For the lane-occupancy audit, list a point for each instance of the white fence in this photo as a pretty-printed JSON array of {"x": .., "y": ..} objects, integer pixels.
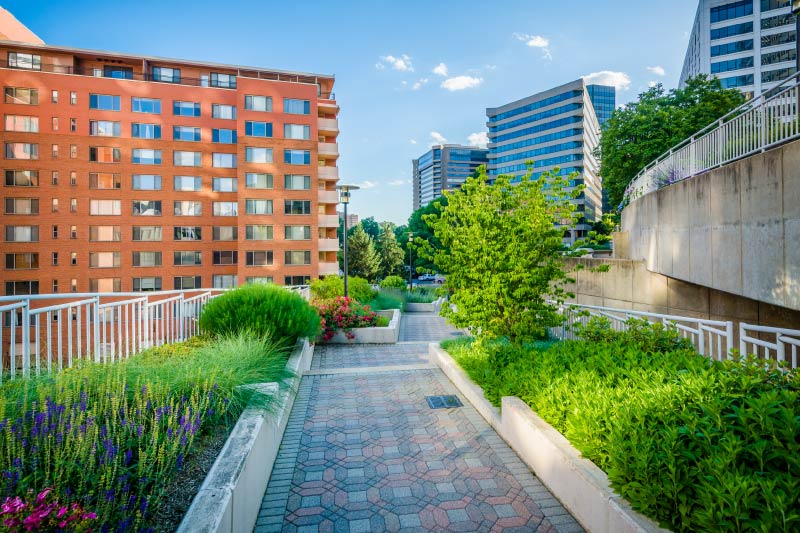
[
  {"x": 714, "y": 339},
  {"x": 765, "y": 121},
  {"x": 49, "y": 332}
]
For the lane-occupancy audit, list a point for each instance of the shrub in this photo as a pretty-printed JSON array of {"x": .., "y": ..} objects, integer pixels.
[
  {"x": 387, "y": 299},
  {"x": 261, "y": 309},
  {"x": 393, "y": 282},
  {"x": 332, "y": 286},
  {"x": 344, "y": 314},
  {"x": 650, "y": 337},
  {"x": 421, "y": 295}
]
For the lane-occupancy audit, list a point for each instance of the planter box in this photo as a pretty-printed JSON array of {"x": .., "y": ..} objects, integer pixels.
[
  {"x": 578, "y": 483},
  {"x": 230, "y": 497},
  {"x": 432, "y": 307},
  {"x": 387, "y": 335}
]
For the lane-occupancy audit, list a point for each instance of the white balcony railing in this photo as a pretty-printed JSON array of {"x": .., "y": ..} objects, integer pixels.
[
  {"x": 330, "y": 125},
  {"x": 768, "y": 120},
  {"x": 329, "y": 245},
  {"x": 328, "y": 197},
  {"x": 328, "y": 173},
  {"x": 328, "y": 149}
]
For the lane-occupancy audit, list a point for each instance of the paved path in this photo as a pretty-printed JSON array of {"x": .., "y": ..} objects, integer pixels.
[{"x": 364, "y": 452}]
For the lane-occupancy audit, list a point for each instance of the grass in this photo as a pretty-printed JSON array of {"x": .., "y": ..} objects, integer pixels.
[
  {"x": 421, "y": 295},
  {"x": 387, "y": 299}
]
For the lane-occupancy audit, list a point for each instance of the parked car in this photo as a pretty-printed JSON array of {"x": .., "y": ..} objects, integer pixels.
[{"x": 426, "y": 277}]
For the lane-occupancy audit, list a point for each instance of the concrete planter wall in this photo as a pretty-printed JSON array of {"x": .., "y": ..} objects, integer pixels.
[
  {"x": 230, "y": 497},
  {"x": 432, "y": 307},
  {"x": 578, "y": 483},
  {"x": 387, "y": 335}
]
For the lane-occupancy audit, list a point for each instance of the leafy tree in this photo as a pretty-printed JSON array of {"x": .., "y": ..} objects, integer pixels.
[
  {"x": 390, "y": 253},
  {"x": 371, "y": 227},
  {"x": 362, "y": 259},
  {"x": 501, "y": 249},
  {"x": 425, "y": 240},
  {"x": 643, "y": 130}
]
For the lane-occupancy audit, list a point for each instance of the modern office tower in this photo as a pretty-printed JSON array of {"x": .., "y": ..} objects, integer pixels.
[
  {"x": 747, "y": 44},
  {"x": 554, "y": 128},
  {"x": 444, "y": 167},
  {"x": 133, "y": 173},
  {"x": 604, "y": 100}
]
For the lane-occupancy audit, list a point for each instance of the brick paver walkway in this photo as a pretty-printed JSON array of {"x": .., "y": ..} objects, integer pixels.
[
  {"x": 426, "y": 327},
  {"x": 364, "y": 452}
]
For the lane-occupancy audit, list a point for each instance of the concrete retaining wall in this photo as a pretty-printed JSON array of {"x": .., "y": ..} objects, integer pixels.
[
  {"x": 230, "y": 497},
  {"x": 578, "y": 484},
  {"x": 387, "y": 335}
]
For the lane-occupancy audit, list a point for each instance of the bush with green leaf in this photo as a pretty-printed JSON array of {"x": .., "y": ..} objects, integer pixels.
[
  {"x": 332, "y": 286},
  {"x": 651, "y": 337},
  {"x": 387, "y": 299},
  {"x": 421, "y": 295},
  {"x": 393, "y": 282},
  {"x": 261, "y": 309}
]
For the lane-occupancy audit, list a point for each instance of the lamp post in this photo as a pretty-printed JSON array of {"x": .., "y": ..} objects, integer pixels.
[
  {"x": 796, "y": 11},
  {"x": 410, "y": 251},
  {"x": 344, "y": 199}
]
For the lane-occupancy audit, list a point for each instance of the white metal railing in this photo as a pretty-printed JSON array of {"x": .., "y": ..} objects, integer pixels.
[
  {"x": 765, "y": 121},
  {"x": 714, "y": 339},
  {"x": 46, "y": 333}
]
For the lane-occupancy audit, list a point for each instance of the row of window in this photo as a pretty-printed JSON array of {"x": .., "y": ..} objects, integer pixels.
[
  {"x": 253, "y": 232},
  {"x": 731, "y": 11},
  {"x": 572, "y": 145},
  {"x": 150, "y": 156},
  {"x": 30, "y": 206},
  {"x": 569, "y": 95},
  {"x": 732, "y": 64},
  {"x": 563, "y": 134},
  {"x": 538, "y": 116},
  {"x": 730, "y": 31}
]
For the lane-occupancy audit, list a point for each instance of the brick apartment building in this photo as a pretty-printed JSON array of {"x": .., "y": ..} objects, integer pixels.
[{"x": 132, "y": 173}]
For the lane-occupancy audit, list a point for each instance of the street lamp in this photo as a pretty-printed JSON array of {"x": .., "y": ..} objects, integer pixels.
[
  {"x": 796, "y": 11},
  {"x": 344, "y": 199},
  {"x": 410, "y": 251}
]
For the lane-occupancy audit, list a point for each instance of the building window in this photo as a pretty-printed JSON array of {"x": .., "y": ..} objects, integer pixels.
[
  {"x": 55, "y": 232},
  {"x": 779, "y": 56},
  {"x": 187, "y": 183},
  {"x": 104, "y": 102},
  {"x": 777, "y": 21},
  {"x": 105, "y": 285},
  {"x": 185, "y": 109},
  {"x": 54, "y": 259},
  {"x": 146, "y": 182},
  {"x": 104, "y": 259},
  {"x": 225, "y": 281},
  {"x": 104, "y": 128},
  {"x": 22, "y": 151},
  {"x": 297, "y": 157},
  {"x": 297, "y": 131},
  {"x": 258, "y": 181},
  {"x": 732, "y": 64},
  {"x": 296, "y": 280},
  {"x": 257, "y": 103},
  {"x": 777, "y": 39},
  {"x": 297, "y": 207},
  {"x": 187, "y": 159},
  {"x": 777, "y": 75},
  {"x": 73, "y": 285},
  {"x": 225, "y": 184},
  {"x": 21, "y": 96},
  {"x": 225, "y": 233},
  {"x": 257, "y": 129},
  {"x": 737, "y": 81},
  {"x": 54, "y": 205},
  {"x": 297, "y": 257},
  {"x": 731, "y": 11},
  {"x": 120, "y": 73},
  {"x": 73, "y": 151},
  {"x": 187, "y": 233},
  {"x": 167, "y": 75},
  {"x": 223, "y": 111},
  {"x": 24, "y": 61},
  {"x": 146, "y": 105},
  {"x": 73, "y": 258},
  {"x": 22, "y": 288},
  {"x": 105, "y": 234},
  {"x": 145, "y": 131},
  {"x": 105, "y": 207},
  {"x": 22, "y": 233},
  {"x": 183, "y": 283},
  {"x": 148, "y": 284},
  {"x": 258, "y": 232},
  {"x": 223, "y": 136},
  {"x": 104, "y": 180},
  {"x": 769, "y": 5},
  {"x": 73, "y": 232},
  {"x": 296, "y": 182},
  {"x": 73, "y": 205},
  {"x": 104, "y": 154},
  {"x": 259, "y": 279},
  {"x": 183, "y": 258},
  {"x": 146, "y": 233},
  {"x": 73, "y": 98},
  {"x": 22, "y": 206},
  {"x": 227, "y": 257},
  {"x": 258, "y": 155},
  {"x": 146, "y": 156},
  {"x": 55, "y": 286},
  {"x": 187, "y": 209},
  {"x": 22, "y": 178},
  {"x": 258, "y": 258},
  {"x": 146, "y": 208},
  {"x": 258, "y": 207},
  {"x": 296, "y": 107},
  {"x": 225, "y": 209},
  {"x": 731, "y": 31},
  {"x": 223, "y": 160},
  {"x": 297, "y": 233},
  {"x": 146, "y": 259},
  {"x": 54, "y": 177},
  {"x": 54, "y": 124},
  {"x": 73, "y": 125},
  {"x": 731, "y": 48},
  {"x": 55, "y": 151},
  {"x": 22, "y": 261},
  {"x": 226, "y": 81},
  {"x": 54, "y": 96},
  {"x": 185, "y": 133},
  {"x": 24, "y": 124}
]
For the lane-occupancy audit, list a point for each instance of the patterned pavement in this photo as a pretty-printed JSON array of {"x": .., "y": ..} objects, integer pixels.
[
  {"x": 426, "y": 327},
  {"x": 364, "y": 452}
]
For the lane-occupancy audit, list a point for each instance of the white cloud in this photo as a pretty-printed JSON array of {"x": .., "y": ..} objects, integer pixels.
[
  {"x": 440, "y": 69},
  {"x": 437, "y": 138},
  {"x": 398, "y": 183},
  {"x": 490, "y": 67},
  {"x": 658, "y": 71},
  {"x": 418, "y": 85},
  {"x": 479, "y": 139},
  {"x": 459, "y": 83},
  {"x": 536, "y": 41},
  {"x": 620, "y": 80},
  {"x": 402, "y": 63},
  {"x": 413, "y": 141},
  {"x": 652, "y": 83},
  {"x": 367, "y": 184}
]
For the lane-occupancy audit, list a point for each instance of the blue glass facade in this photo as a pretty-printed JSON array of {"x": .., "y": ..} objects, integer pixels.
[
  {"x": 604, "y": 100},
  {"x": 444, "y": 168}
]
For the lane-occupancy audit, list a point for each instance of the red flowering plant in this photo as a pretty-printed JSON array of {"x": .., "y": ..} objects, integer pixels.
[
  {"x": 343, "y": 314},
  {"x": 43, "y": 513}
]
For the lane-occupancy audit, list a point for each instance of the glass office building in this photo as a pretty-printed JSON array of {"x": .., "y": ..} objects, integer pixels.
[
  {"x": 604, "y": 100},
  {"x": 442, "y": 168}
]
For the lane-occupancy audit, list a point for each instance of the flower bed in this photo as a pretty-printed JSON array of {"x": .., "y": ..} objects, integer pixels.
[{"x": 341, "y": 314}]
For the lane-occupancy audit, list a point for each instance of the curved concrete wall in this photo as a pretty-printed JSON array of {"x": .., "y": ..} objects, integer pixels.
[{"x": 735, "y": 229}]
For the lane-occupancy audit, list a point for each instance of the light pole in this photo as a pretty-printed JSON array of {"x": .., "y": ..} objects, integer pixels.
[
  {"x": 344, "y": 199},
  {"x": 796, "y": 11},
  {"x": 410, "y": 251}
]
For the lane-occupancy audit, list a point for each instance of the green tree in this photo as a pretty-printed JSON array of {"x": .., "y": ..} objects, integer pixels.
[
  {"x": 371, "y": 227},
  {"x": 425, "y": 240},
  {"x": 639, "y": 132},
  {"x": 501, "y": 249},
  {"x": 362, "y": 258},
  {"x": 390, "y": 253}
]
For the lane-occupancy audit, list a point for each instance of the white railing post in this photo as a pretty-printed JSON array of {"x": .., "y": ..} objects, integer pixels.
[
  {"x": 96, "y": 329},
  {"x": 728, "y": 339},
  {"x": 780, "y": 352},
  {"x": 181, "y": 314},
  {"x": 26, "y": 338},
  {"x": 742, "y": 341}
]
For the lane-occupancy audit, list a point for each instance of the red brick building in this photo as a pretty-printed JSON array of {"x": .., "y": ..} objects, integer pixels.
[{"x": 127, "y": 173}]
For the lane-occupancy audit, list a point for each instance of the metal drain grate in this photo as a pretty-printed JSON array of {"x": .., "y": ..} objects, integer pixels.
[{"x": 443, "y": 402}]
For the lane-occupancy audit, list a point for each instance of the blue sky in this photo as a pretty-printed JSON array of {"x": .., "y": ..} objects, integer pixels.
[{"x": 393, "y": 104}]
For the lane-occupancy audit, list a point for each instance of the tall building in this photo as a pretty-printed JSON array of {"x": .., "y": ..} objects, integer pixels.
[
  {"x": 444, "y": 167},
  {"x": 747, "y": 44},
  {"x": 604, "y": 100},
  {"x": 352, "y": 219},
  {"x": 134, "y": 173},
  {"x": 555, "y": 128}
]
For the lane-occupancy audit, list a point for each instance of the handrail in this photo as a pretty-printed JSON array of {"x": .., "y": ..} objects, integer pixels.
[{"x": 767, "y": 120}]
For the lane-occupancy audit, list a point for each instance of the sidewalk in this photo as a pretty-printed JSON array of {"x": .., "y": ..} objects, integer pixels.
[{"x": 363, "y": 451}]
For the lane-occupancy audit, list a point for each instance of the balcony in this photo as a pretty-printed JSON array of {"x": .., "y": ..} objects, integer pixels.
[
  {"x": 329, "y": 173},
  {"x": 328, "y": 150},
  {"x": 328, "y": 125},
  {"x": 328, "y": 104},
  {"x": 328, "y": 197},
  {"x": 328, "y": 269},
  {"x": 329, "y": 221},
  {"x": 329, "y": 245}
]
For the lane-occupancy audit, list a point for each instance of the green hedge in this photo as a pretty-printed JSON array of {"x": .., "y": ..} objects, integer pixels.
[
  {"x": 694, "y": 444},
  {"x": 261, "y": 309},
  {"x": 332, "y": 286},
  {"x": 393, "y": 282}
]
